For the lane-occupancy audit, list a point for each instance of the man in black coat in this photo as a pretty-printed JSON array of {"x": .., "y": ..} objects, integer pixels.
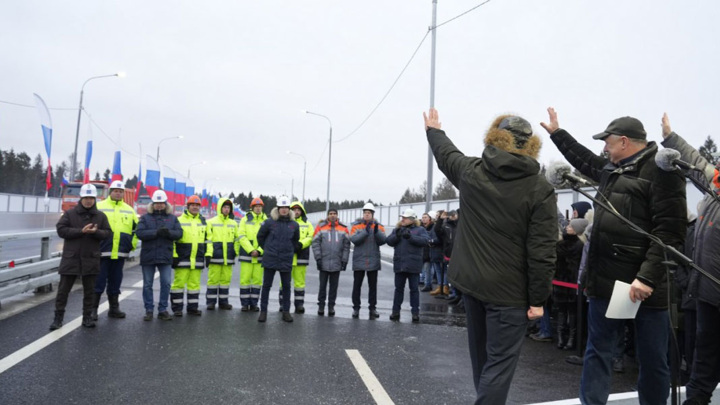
[
  {"x": 503, "y": 256},
  {"x": 654, "y": 200},
  {"x": 82, "y": 228}
]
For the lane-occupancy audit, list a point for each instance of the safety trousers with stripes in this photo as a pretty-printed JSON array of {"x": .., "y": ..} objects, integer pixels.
[
  {"x": 191, "y": 279},
  {"x": 251, "y": 278},
  {"x": 218, "y": 285},
  {"x": 298, "y": 277}
]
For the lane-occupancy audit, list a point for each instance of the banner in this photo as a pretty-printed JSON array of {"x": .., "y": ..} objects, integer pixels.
[
  {"x": 117, "y": 171},
  {"x": 152, "y": 175},
  {"x": 169, "y": 183},
  {"x": 46, "y": 125}
]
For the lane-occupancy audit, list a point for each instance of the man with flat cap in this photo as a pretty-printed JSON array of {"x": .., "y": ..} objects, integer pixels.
[
  {"x": 503, "y": 257},
  {"x": 654, "y": 200}
]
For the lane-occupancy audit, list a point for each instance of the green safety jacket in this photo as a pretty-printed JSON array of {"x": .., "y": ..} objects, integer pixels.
[
  {"x": 222, "y": 233},
  {"x": 123, "y": 221},
  {"x": 302, "y": 257},
  {"x": 249, "y": 227},
  {"x": 190, "y": 249}
]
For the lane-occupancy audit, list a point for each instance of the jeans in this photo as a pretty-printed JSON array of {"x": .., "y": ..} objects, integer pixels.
[
  {"x": 442, "y": 267},
  {"x": 358, "y": 277},
  {"x": 495, "y": 336},
  {"x": 652, "y": 329},
  {"x": 413, "y": 281},
  {"x": 166, "y": 277},
  {"x": 333, "y": 277},
  {"x": 111, "y": 275},
  {"x": 285, "y": 280},
  {"x": 706, "y": 364},
  {"x": 545, "y": 325}
]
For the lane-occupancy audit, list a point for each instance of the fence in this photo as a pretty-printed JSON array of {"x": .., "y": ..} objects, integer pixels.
[
  {"x": 28, "y": 203},
  {"x": 29, "y": 273}
]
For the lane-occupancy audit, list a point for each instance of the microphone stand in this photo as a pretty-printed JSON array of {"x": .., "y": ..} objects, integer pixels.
[
  {"x": 684, "y": 260},
  {"x": 702, "y": 187}
]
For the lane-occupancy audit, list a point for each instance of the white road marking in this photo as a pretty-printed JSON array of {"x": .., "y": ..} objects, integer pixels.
[
  {"x": 34, "y": 347},
  {"x": 613, "y": 397},
  {"x": 371, "y": 382}
]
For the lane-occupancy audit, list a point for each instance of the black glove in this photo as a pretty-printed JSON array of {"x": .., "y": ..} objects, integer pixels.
[
  {"x": 368, "y": 227},
  {"x": 343, "y": 266},
  {"x": 298, "y": 247},
  {"x": 406, "y": 235},
  {"x": 163, "y": 232},
  {"x": 399, "y": 231},
  {"x": 319, "y": 265},
  {"x": 207, "y": 261},
  {"x": 377, "y": 226}
]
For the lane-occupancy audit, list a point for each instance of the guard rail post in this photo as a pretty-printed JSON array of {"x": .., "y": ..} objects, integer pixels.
[{"x": 44, "y": 255}]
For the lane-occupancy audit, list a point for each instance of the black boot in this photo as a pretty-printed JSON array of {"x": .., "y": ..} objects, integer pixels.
[
  {"x": 87, "y": 321},
  {"x": 374, "y": 314},
  {"x": 331, "y": 310},
  {"x": 115, "y": 311},
  {"x": 58, "y": 321},
  {"x": 561, "y": 317},
  {"x": 572, "y": 332},
  {"x": 262, "y": 317},
  {"x": 96, "y": 304}
]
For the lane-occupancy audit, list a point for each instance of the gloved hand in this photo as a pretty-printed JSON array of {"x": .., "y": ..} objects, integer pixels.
[
  {"x": 343, "y": 266},
  {"x": 399, "y": 231},
  {"x": 377, "y": 226},
  {"x": 319, "y": 265},
  {"x": 406, "y": 235},
  {"x": 298, "y": 247},
  {"x": 163, "y": 232},
  {"x": 207, "y": 261},
  {"x": 368, "y": 227}
]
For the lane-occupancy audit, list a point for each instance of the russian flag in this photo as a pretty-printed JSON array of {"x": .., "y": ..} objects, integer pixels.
[
  {"x": 169, "y": 183},
  {"x": 88, "y": 158},
  {"x": 214, "y": 203},
  {"x": 180, "y": 190},
  {"x": 65, "y": 180},
  {"x": 138, "y": 186},
  {"x": 46, "y": 125},
  {"x": 117, "y": 171},
  {"x": 204, "y": 196},
  {"x": 152, "y": 175}
]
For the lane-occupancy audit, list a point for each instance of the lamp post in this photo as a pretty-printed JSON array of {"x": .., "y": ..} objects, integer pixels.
[
  {"x": 327, "y": 198},
  {"x": 77, "y": 129},
  {"x": 195, "y": 164},
  {"x": 292, "y": 183},
  {"x": 304, "y": 168},
  {"x": 157, "y": 157}
]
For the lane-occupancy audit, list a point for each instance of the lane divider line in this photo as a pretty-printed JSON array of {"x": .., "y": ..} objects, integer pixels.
[{"x": 376, "y": 389}]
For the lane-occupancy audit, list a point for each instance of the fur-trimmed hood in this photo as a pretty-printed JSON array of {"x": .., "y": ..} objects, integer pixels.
[
  {"x": 416, "y": 223},
  {"x": 275, "y": 214},
  {"x": 168, "y": 208},
  {"x": 505, "y": 140},
  {"x": 302, "y": 208}
]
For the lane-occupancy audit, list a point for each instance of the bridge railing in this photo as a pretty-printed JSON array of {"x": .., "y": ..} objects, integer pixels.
[{"x": 28, "y": 203}]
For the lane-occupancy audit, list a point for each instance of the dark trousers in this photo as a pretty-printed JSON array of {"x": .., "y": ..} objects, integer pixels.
[
  {"x": 333, "y": 277},
  {"x": 111, "y": 275},
  {"x": 413, "y": 280},
  {"x": 706, "y": 364},
  {"x": 358, "y": 277},
  {"x": 495, "y": 337},
  {"x": 285, "y": 280},
  {"x": 66, "y": 283}
]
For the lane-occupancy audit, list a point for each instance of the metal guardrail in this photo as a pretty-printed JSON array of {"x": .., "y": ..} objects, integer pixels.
[
  {"x": 34, "y": 273},
  {"x": 28, "y": 203}
]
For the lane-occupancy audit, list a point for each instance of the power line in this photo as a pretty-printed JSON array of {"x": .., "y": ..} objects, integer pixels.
[
  {"x": 461, "y": 14},
  {"x": 321, "y": 156},
  {"x": 32, "y": 106},
  {"x": 108, "y": 136}
]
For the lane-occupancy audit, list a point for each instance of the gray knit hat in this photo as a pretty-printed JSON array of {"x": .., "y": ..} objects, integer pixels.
[{"x": 578, "y": 225}]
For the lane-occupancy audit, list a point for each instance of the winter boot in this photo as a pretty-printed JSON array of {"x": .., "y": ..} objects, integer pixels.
[
  {"x": 395, "y": 316},
  {"x": 436, "y": 291},
  {"x": 263, "y": 316},
  {"x": 561, "y": 317},
  {"x": 58, "y": 321},
  {"x": 321, "y": 310},
  {"x": 374, "y": 314},
  {"x": 87, "y": 321},
  {"x": 356, "y": 313},
  {"x": 287, "y": 317},
  {"x": 165, "y": 316},
  {"x": 299, "y": 309},
  {"x": 331, "y": 310},
  {"x": 96, "y": 304},
  {"x": 446, "y": 290},
  {"x": 115, "y": 311}
]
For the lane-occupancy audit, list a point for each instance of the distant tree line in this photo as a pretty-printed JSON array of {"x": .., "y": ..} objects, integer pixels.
[{"x": 444, "y": 191}]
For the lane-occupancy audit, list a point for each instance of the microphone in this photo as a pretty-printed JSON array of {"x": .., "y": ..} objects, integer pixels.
[
  {"x": 669, "y": 160},
  {"x": 559, "y": 174}
]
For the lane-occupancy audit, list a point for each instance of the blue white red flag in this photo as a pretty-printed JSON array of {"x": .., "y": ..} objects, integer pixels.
[
  {"x": 152, "y": 175},
  {"x": 88, "y": 158},
  {"x": 46, "y": 125},
  {"x": 169, "y": 183},
  {"x": 117, "y": 171},
  {"x": 179, "y": 189}
]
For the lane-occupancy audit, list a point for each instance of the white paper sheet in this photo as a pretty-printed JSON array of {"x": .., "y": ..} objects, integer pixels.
[{"x": 621, "y": 307}]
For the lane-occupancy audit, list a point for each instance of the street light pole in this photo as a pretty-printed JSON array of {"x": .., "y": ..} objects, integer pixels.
[
  {"x": 157, "y": 156},
  {"x": 327, "y": 198},
  {"x": 195, "y": 164},
  {"x": 304, "y": 169},
  {"x": 77, "y": 129},
  {"x": 292, "y": 183}
]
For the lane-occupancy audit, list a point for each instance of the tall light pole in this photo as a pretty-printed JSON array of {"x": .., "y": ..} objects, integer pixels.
[
  {"x": 157, "y": 157},
  {"x": 292, "y": 183},
  {"x": 327, "y": 198},
  {"x": 304, "y": 168},
  {"x": 77, "y": 129},
  {"x": 195, "y": 164},
  {"x": 429, "y": 190}
]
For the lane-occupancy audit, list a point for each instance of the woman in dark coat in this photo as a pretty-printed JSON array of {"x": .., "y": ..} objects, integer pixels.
[
  {"x": 82, "y": 228},
  {"x": 569, "y": 253}
]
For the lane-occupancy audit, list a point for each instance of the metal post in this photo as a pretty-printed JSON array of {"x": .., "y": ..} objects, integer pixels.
[
  {"x": 327, "y": 198},
  {"x": 44, "y": 255},
  {"x": 428, "y": 192},
  {"x": 77, "y": 136}
]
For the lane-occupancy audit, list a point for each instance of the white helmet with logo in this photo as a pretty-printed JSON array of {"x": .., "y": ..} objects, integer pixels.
[
  {"x": 117, "y": 184},
  {"x": 88, "y": 190},
  {"x": 369, "y": 207},
  {"x": 409, "y": 213},
  {"x": 159, "y": 196},
  {"x": 283, "y": 201}
]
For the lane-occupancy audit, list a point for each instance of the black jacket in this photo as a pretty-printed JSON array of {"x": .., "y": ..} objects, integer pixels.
[
  {"x": 569, "y": 253},
  {"x": 279, "y": 237},
  {"x": 158, "y": 249},
  {"x": 81, "y": 251},
  {"x": 651, "y": 198},
  {"x": 504, "y": 248},
  {"x": 408, "y": 242},
  {"x": 445, "y": 231}
]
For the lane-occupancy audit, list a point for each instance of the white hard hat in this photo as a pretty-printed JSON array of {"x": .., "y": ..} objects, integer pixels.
[
  {"x": 159, "y": 196},
  {"x": 117, "y": 184},
  {"x": 283, "y": 201},
  {"x": 409, "y": 213},
  {"x": 432, "y": 214},
  {"x": 88, "y": 190},
  {"x": 369, "y": 207}
]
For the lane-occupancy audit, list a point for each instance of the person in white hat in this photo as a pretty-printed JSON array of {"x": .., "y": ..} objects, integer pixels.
[
  {"x": 82, "y": 227},
  {"x": 408, "y": 238},
  {"x": 123, "y": 222},
  {"x": 367, "y": 234}
]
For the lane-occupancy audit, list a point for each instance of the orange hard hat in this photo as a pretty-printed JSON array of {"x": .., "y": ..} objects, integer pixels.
[
  {"x": 193, "y": 199},
  {"x": 257, "y": 201}
]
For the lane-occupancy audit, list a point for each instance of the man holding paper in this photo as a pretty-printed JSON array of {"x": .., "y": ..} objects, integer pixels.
[{"x": 654, "y": 200}]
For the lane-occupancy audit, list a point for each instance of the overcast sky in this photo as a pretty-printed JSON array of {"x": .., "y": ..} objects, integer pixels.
[{"x": 233, "y": 77}]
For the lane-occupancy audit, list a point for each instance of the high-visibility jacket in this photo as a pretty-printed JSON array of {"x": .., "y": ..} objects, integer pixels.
[
  {"x": 123, "y": 221},
  {"x": 223, "y": 237},
  {"x": 249, "y": 227},
  {"x": 190, "y": 249},
  {"x": 307, "y": 231}
]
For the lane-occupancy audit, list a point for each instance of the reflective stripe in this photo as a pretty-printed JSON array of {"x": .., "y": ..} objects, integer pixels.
[
  {"x": 177, "y": 291},
  {"x": 193, "y": 292},
  {"x": 303, "y": 226},
  {"x": 126, "y": 212},
  {"x": 223, "y": 296},
  {"x": 256, "y": 296},
  {"x": 303, "y": 261},
  {"x": 224, "y": 286},
  {"x": 199, "y": 265},
  {"x": 121, "y": 254},
  {"x": 184, "y": 263},
  {"x": 217, "y": 225},
  {"x": 105, "y": 254},
  {"x": 298, "y": 290},
  {"x": 106, "y": 210},
  {"x": 243, "y": 257},
  {"x": 299, "y": 298},
  {"x": 193, "y": 301},
  {"x": 177, "y": 301},
  {"x": 217, "y": 261},
  {"x": 242, "y": 236},
  {"x": 185, "y": 224},
  {"x": 245, "y": 295},
  {"x": 212, "y": 296}
]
